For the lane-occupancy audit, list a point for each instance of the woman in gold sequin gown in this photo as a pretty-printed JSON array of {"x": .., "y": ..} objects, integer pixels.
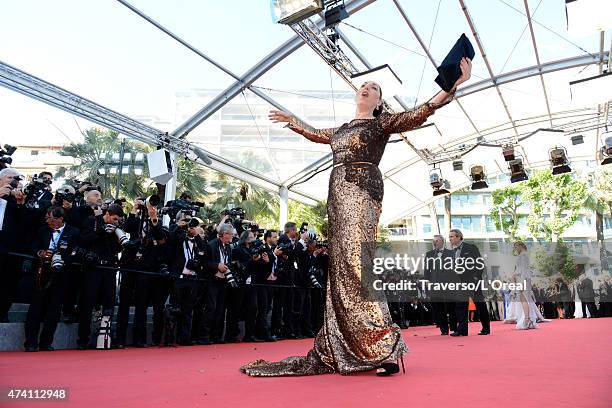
[{"x": 357, "y": 334}]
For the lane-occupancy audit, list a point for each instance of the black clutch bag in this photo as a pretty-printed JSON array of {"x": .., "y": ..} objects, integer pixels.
[{"x": 450, "y": 70}]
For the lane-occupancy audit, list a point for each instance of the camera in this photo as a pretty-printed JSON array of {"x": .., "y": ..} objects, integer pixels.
[
  {"x": 313, "y": 279},
  {"x": 286, "y": 247},
  {"x": 15, "y": 182},
  {"x": 234, "y": 214},
  {"x": 153, "y": 200},
  {"x": 322, "y": 245},
  {"x": 173, "y": 207},
  {"x": 5, "y": 155},
  {"x": 121, "y": 235},
  {"x": 257, "y": 248},
  {"x": 64, "y": 195},
  {"x": 303, "y": 227},
  {"x": 57, "y": 259},
  {"x": 86, "y": 257},
  {"x": 35, "y": 189},
  {"x": 193, "y": 265},
  {"x": 163, "y": 269}
]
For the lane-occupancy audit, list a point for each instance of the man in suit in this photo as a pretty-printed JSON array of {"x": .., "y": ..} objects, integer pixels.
[
  {"x": 12, "y": 236},
  {"x": 586, "y": 293},
  {"x": 211, "y": 328},
  {"x": 98, "y": 237},
  {"x": 190, "y": 255},
  {"x": 437, "y": 262},
  {"x": 470, "y": 267},
  {"x": 53, "y": 245}
]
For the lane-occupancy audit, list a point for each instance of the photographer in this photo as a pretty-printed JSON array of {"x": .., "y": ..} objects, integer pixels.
[
  {"x": 146, "y": 245},
  {"x": 102, "y": 242},
  {"x": 220, "y": 274},
  {"x": 190, "y": 257},
  {"x": 247, "y": 258},
  {"x": 92, "y": 207},
  {"x": 12, "y": 236},
  {"x": 265, "y": 277},
  {"x": 305, "y": 282},
  {"x": 53, "y": 245},
  {"x": 38, "y": 191},
  {"x": 290, "y": 245}
]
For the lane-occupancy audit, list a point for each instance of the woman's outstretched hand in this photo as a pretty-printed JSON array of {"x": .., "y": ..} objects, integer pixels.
[
  {"x": 466, "y": 71},
  {"x": 277, "y": 116}
]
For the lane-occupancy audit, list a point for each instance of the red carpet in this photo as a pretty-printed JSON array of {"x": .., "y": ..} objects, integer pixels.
[{"x": 566, "y": 363}]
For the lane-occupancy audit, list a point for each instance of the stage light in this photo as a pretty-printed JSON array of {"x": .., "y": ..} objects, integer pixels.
[
  {"x": 437, "y": 182},
  {"x": 508, "y": 152},
  {"x": 577, "y": 139},
  {"x": 606, "y": 150},
  {"x": 558, "y": 160},
  {"x": 517, "y": 170},
  {"x": 334, "y": 12},
  {"x": 477, "y": 174},
  {"x": 457, "y": 165},
  {"x": 293, "y": 11}
]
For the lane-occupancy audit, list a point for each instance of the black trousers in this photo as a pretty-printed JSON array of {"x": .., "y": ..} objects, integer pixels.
[
  {"x": 282, "y": 304},
  {"x": 301, "y": 317},
  {"x": 184, "y": 294},
  {"x": 214, "y": 311},
  {"x": 133, "y": 290},
  {"x": 264, "y": 298},
  {"x": 197, "y": 320},
  {"x": 159, "y": 290},
  {"x": 318, "y": 309},
  {"x": 97, "y": 284},
  {"x": 10, "y": 268},
  {"x": 461, "y": 310},
  {"x": 444, "y": 314},
  {"x": 592, "y": 309},
  {"x": 73, "y": 288},
  {"x": 45, "y": 307}
]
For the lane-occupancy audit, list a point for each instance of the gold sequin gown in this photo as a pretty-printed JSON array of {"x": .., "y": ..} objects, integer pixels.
[{"x": 357, "y": 334}]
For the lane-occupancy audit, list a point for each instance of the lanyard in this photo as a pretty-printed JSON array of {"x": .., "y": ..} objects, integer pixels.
[{"x": 190, "y": 251}]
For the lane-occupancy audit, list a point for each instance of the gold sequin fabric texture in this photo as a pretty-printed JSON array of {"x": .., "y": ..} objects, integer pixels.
[{"x": 357, "y": 334}]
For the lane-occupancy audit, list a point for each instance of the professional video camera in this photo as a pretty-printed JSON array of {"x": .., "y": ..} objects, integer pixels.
[
  {"x": 35, "y": 189},
  {"x": 64, "y": 195},
  {"x": 5, "y": 155},
  {"x": 234, "y": 214},
  {"x": 173, "y": 207},
  {"x": 257, "y": 247}
]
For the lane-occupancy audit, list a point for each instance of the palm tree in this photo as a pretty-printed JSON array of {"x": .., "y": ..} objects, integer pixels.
[{"x": 96, "y": 143}]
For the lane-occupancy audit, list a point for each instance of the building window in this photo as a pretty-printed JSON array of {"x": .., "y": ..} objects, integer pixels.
[
  {"x": 34, "y": 153},
  {"x": 494, "y": 271}
]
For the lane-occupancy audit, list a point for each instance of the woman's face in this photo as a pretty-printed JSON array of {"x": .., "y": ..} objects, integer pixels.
[{"x": 368, "y": 95}]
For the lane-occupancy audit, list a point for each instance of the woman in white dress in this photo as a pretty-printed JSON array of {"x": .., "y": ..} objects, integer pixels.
[{"x": 523, "y": 304}]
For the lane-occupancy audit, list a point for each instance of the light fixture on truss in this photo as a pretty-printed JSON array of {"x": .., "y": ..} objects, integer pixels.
[
  {"x": 438, "y": 183},
  {"x": 293, "y": 11},
  {"x": 606, "y": 149},
  {"x": 559, "y": 162},
  {"x": 517, "y": 170},
  {"x": 478, "y": 176},
  {"x": 383, "y": 75}
]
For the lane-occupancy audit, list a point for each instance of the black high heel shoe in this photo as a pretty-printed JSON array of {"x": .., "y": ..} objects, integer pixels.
[{"x": 390, "y": 368}]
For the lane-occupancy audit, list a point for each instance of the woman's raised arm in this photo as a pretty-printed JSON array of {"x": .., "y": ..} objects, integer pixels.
[{"x": 293, "y": 123}]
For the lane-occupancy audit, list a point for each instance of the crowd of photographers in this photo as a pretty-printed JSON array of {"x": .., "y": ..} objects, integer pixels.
[{"x": 80, "y": 255}]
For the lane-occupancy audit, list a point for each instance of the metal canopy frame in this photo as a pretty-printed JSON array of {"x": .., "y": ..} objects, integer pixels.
[{"x": 41, "y": 90}]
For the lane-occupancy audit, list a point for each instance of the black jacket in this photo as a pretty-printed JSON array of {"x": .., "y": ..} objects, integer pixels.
[
  {"x": 69, "y": 236},
  {"x": 94, "y": 238},
  {"x": 470, "y": 269},
  {"x": 201, "y": 253},
  {"x": 215, "y": 256}
]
